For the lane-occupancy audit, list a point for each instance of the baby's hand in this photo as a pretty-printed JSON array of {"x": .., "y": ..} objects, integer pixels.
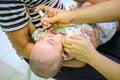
[{"x": 93, "y": 35}]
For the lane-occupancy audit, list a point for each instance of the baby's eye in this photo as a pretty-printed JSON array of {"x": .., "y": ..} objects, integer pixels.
[
  {"x": 62, "y": 33},
  {"x": 51, "y": 41}
]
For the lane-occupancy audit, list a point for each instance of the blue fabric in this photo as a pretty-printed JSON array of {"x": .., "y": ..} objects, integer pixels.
[
  {"x": 85, "y": 73},
  {"x": 111, "y": 57},
  {"x": 111, "y": 50},
  {"x": 112, "y": 47}
]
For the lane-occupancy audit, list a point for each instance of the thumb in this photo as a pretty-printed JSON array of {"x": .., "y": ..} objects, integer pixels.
[{"x": 52, "y": 19}]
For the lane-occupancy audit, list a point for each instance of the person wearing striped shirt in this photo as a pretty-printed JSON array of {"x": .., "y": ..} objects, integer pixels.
[{"x": 18, "y": 20}]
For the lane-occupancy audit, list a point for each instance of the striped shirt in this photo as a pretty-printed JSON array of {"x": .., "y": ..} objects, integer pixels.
[{"x": 13, "y": 14}]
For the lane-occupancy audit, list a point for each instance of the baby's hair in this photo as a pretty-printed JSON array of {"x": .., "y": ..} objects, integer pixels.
[{"x": 45, "y": 69}]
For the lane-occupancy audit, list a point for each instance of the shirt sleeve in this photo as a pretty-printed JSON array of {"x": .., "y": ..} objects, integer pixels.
[{"x": 13, "y": 15}]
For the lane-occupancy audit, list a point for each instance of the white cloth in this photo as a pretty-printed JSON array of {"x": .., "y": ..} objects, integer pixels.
[{"x": 106, "y": 32}]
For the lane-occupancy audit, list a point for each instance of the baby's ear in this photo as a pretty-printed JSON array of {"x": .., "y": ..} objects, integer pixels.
[{"x": 64, "y": 55}]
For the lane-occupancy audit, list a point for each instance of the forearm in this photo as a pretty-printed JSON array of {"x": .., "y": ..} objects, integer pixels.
[
  {"x": 26, "y": 50},
  {"x": 104, "y": 11},
  {"x": 21, "y": 40},
  {"x": 22, "y": 44},
  {"x": 105, "y": 66}
]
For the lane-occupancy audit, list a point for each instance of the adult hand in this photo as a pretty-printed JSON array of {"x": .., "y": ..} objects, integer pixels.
[
  {"x": 56, "y": 17},
  {"x": 79, "y": 48}
]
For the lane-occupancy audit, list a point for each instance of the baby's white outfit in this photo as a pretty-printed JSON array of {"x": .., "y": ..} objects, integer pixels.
[{"x": 106, "y": 31}]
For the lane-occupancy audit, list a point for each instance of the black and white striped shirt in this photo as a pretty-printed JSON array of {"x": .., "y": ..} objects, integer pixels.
[{"x": 13, "y": 14}]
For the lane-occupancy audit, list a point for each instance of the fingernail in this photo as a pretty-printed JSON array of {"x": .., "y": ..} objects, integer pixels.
[
  {"x": 47, "y": 19},
  {"x": 45, "y": 27}
]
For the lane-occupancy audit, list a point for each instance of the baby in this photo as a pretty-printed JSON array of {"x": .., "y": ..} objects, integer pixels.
[{"x": 48, "y": 55}]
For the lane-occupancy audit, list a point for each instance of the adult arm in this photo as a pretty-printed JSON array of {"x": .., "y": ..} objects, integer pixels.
[
  {"x": 94, "y": 38},
  {"x": 14, "y": 20},
  {"x": 20, "y": 40},
  {"x": 107, "y": 67},
  {"x": 83, "y": 50},
  {"x": 101, "y": 12},
  {"x": 98, "y": 13}
]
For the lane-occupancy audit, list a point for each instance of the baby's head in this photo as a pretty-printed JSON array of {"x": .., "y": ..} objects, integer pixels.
[{"x": 46, "y": 56}]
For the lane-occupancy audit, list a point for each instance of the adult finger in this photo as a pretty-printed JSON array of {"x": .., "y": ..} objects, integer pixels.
[
  {"x": 50, "y": 11},
  {"x": 77, "y": 37},
  {"x": 72, "y": 7},
  {"x": 53, "y": 19},
  {"x": 43, "y": 22},
  {"x": 43, "y": 8},
  {"x": 66, "y": 41},
  {"x": 68, "y": 51}
]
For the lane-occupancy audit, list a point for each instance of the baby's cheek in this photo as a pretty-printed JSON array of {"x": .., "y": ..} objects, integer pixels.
[
  {"x": 58, "y": 38},
  {"x": 57, "y": 43}
]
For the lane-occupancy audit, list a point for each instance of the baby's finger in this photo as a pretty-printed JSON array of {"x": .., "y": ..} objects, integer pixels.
[
  {"x": 90, "y": 33},
  {"x": 96, "y": 32}
]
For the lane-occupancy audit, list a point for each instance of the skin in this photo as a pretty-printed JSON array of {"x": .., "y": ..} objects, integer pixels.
[
  {"x": 46, "y": 56},
  {"x": 84, "y": 51},
  {"x": 24, "y": 45},
  {"x": 80, "y": 48},
  {"x": 92, "y": 14},
  {"x": 21, "y": 40}
]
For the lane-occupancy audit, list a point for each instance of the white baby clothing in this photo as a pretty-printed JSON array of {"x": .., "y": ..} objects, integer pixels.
[{"x": 106, "y": 32}]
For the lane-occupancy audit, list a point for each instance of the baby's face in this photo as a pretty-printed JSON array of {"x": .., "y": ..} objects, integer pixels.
[
  {"x": 46, "y": 55},
  {"x": 48, "y": 46}
]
